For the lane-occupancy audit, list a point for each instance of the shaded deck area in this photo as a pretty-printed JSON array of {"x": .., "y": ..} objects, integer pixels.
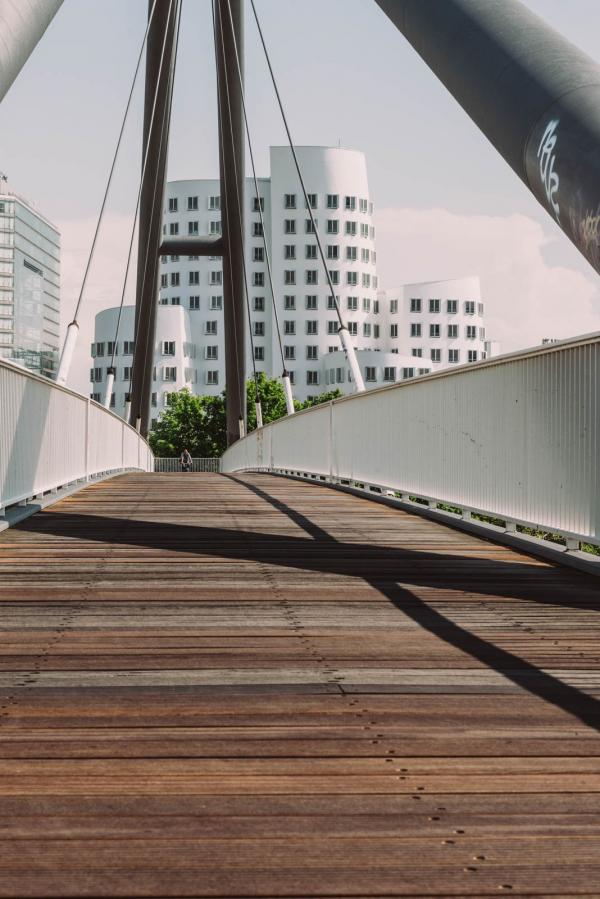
[{"x": 248, "y": 686}]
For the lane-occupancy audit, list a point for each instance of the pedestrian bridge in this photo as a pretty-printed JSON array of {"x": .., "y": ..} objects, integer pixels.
[{"x": 244, "y": 684}]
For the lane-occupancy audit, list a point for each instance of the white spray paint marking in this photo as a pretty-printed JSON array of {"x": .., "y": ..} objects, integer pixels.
[{"x": 547, "y": 158}]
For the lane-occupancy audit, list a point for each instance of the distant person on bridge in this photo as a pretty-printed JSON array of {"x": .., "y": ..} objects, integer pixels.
[{"x": 185, "y": 460}]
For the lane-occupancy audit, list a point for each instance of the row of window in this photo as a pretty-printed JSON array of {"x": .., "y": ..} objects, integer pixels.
[
  {"x": 332, "y": 251},
  {"x": 332, "y": 226},
  {"x": 311, "y": 276},
  {"x": 452, "y": 331},
  {"x": 470, "y": 307},
  {"x": 108, "y": 348},
  {"x": 290, "y": 201}
]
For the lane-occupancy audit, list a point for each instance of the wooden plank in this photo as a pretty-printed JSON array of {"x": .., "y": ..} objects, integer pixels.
[{"x": 255, "y": 687}]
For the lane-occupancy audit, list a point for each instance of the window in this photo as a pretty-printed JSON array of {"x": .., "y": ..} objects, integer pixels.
[
  {"x": 366, "y": 304},
  {"x": 289, "y": 276},
  {"x": 309, "y": 228},
  {"x": 255, "y": 204},
  {"x": 472, "y": 355},
  {"x": 128, "y": 347},
  {"x": 173, "y": 204},
  {"x": 363, "y": 206},
  {"x": 333, "y": 201},
  {"x": 174, "y": 301},
  {"x": 214, "y": 203},
  {"x": 164, "y": 301},
  {"x": 211, "y": 352},
  {"x": 351, "y": 229},
  {"x": 334, "y": 276},
  {"x": 479, "y": 308},
  {"x": 436, "y": 355},
  {"x": 169, "y": 373},
  {"x": 95, "y": 375},
  {"x": 112, "y": 348},
  {"x": 258, "y": 304},
  {"x": 352, "y": 279},
  {"x": 312, "y": 352},
  {"x": 215, "y": 227},
  {"x": 451, "y": 307},
  {"x": 471, "y": 332},
  {"x": 353, "y": 329},
  {"x": 212, "y": 377},
  {"x": 389, "y": 373},
  {"x": 289, "y": 201},
  {"x": 332, "y": 327},
  {"x": 289, "y": 301},
  {"x": 257, "y": 229},
  {"x": 258, "y": 254},
  {"x": 289, "y": 327},
  {"x": 174, "y": 228},
  {"x": 216, "y": 303},
  {"x": 453, "y": 355},
  {"x": 292, "y": 376},
  {"x": 312, "y": 326},
  {"x": 216, "y": 277},
  {"x": 312, "y": 377},
  {"x": 210, "y": 327},
  {"x": 366, "y": 329},
  {"x": 415, "y": 304},
  {"x": 366, "y": 280},
  {"x": 153, "y": 400},
  {"x": 192, "y": 204},
  {"x": 415, "y": 329},
  {"x": 331, "y": 302},
  {"x": 289, "y": 226},
  {"x": 350, "y": 203},
  {"x": 333, "y": 226},
  {"x": 351, "y": 254},
  {"x": 310, "y": 251},
  {"x": 364, "y": 255},
  {"x": 340, "y": 375},
  {"x": 312, "y": 276},
  {"x": 352, "y": 304},
  {"x": 333, "y": 251},
  {"x": 370, "y": 373},
  {"x": 258, "y": 329},
  {"x": 376, "y": 307},
  {"x": 289, "y": 251},
  {"x": 469, "y": 307},
  {"x": 100, "y": 349},
  {"x": 452, "y": 332},
  {"x": 393, "y": 330},
  {"x": 174, "y": 258},
  {"x": 168, "y": 347},
  {"x": 408, "y": 373},
  {"x": 393, "y": 307},
  {"x": 435, "y": 306},
  {"x": 434, "y": 330},
  {"x": 259, "y": 353},
  {"x": 195, "y": 303},
  {"x": 364, "y": 231},
  {"x": 174, "y": 279},
  {"x": 312, "y": 199},
  {"x": 164, "y": 280},
  {"x": 193, "y": 228},
  {"x": 482, "y": 333},
  {"x": 95, "y": 396},
  {"x": 289, "y": 351},
  {"x": 311, "y": 302},
  {"x": 376, "y": 331},
  {"x": 258, "y": 279},
  {"x": 194, "y": 278}
]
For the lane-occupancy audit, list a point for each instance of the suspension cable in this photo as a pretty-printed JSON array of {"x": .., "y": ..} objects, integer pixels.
[
  {"x": 177, "y": 5},
  {"x": 239, "y": 216},
  {"x": 256, "y": 188},
  {"x": 343, "y": 329}
]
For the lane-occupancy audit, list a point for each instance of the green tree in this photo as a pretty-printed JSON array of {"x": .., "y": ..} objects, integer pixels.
[{"x": 198, "y": 423}]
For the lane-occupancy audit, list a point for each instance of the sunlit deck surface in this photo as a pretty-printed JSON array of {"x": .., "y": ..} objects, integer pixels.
[{"x": 250, "y": 686}]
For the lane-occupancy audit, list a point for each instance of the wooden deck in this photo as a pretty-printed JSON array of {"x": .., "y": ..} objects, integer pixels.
[{"x": 249, "y": 686}]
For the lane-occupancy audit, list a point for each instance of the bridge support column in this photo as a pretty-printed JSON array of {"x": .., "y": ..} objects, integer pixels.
[
  {"x": 159, "y": 82},
  {"x": 231, "y": 159}
]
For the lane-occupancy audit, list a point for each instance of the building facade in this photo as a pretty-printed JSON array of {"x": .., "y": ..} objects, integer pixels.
[
  {"x": 29, "y": 285},
  {"x": 189, "y": 347}
]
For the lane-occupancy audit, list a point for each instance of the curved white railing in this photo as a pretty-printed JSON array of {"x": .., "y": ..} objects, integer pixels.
[
  {"x": 515, "y": 438},
  {"x": 51, "y": 437}
]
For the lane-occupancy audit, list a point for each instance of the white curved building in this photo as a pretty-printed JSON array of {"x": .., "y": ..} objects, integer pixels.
[{"x": 382, "y": 325}]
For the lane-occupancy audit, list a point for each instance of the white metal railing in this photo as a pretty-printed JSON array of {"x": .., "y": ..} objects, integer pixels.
[
  {"x": 515, "y": 438},
  {"x": 51, "y": 437},
  {"x": 172, "y": 464}
]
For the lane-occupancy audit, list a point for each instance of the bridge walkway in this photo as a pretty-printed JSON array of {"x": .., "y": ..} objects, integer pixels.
[{"x": 250, "y": 686}]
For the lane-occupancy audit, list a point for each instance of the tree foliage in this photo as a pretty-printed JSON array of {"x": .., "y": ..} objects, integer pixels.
[{"x": 198, "y": 423}]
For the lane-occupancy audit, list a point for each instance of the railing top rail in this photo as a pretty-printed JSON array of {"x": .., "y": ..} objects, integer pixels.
[
  {"x": 21, "y": 370},
  {"x": 504, "y": 359}
]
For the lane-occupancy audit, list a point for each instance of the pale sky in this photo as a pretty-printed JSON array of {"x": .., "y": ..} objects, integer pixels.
[{"x": 448, "y": 205}]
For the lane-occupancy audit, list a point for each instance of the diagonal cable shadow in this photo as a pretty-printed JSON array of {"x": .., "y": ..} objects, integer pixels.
[{"x": 379, "y": 566}]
